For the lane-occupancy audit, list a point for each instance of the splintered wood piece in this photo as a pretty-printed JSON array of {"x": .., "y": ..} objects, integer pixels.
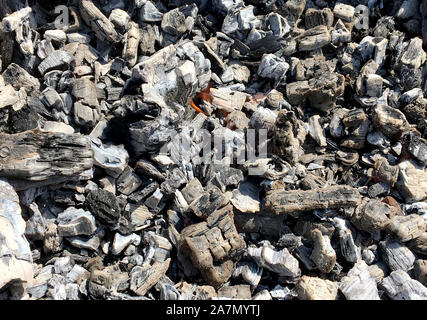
[
  {"x": 93, "y": 17},
  {"x": 38, "y": 156},
  {"x": 280, "y": 201}
]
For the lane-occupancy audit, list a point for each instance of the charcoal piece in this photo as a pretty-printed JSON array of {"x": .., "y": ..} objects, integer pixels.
[
  {"x": 15, "y": 253},
  {"x": 179, "y": 20},
  {"x": 256, "y": 223},
  {"x": 149, "y": 13},
  {"x": 280, "y": 262},
  {"x": 26, "y": 119},
  {"x": 354, "y": 118},
  {"x": 158, "y": 247},
  {"x": 128, "y": 181},
  {"x": 292, "y": 10},
  {"x": 20, "y": 78},
  {"x": 98, "y": 22},
  {"x": 386, "y": 172},
  {"x": 358, "y": 284},
  {"x": 40, "y": 156},
  {"x": 375, "y": 48},
  {"x": 416, "y": 146},
  {"x": 289, "y": 135},
  {"x": 336, "y": 127},
  {"x": 139, "y": 216},
  {"x": 272, "y": 67},
  {"x": 263, "y": 118},
  {"x": 347, "y": 158},
  {"x": 58, "y": 60},
  {"x": 227, "y": 100},
  {"x": 316, "y": 131},
  {"x": 91, "y": 242},
  {"x": 130, "y": 50},
  {"x": 120, "y": 19},
  {"x": 399, "y": 286},
  {"x": 320, "y": 92},
  {"x": 406, "y": 228},
  {"x": 419, "y": 244},
  {"x": 109, "y": 157},
  {"x": 249, "y": 271},
  {"x": 85, "y": 91},
  {"x": 121, "y": 242},
  {"x": 340, "y": 34},
  {"x": 192, "y": 190},
  {"x": 371, "y": 216},
  {"x": 412, "y": 182},
  {"x": 246, "y": 198},
  {"x": 414, "y": 110},
  {"x": 104, "y": 206},
  {"x": 52, "y": 99},
  {"x": 420, "y": 271},
  {"x": 323, "y": 255},
  {"x": 306, "y": 227},
  {"x": 390, "y": 121},
  {"x": 280, "y": 202},
  {"x": 35, "y": 227},
  {"x": 146, "y": 168},
  {"x": 206, "y": 203},
  {"x": 239, "y": 19},
  {"x": 414, "y": 55},
  {"x": 52, "y": 241},
  {"x": 396, "y": 255},
  {"x": 349, "y": 249},
  {"x": 241, "y": 291},
  {"x": 154, "y": 202},
  {"x": 228, "y": 176},
  {"x": 210, "y": 245},
  {"x": 344, "y": 12},
  {"x": 74, "y": 222},
  {"x": 313, "y": 288},
  {"x": 314, "y": 38},
  {"x": 173, "y": 182},
  {"x": 314, "y": 18},
  {"x": 148, "y": 39}
]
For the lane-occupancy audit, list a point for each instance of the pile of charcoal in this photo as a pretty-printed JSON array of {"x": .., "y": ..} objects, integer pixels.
[{"x": 213, "y": 149}]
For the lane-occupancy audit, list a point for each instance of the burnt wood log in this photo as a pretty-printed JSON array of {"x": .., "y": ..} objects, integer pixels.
[
  {"x": 280, "y": 202},
  {"x": 44, "y": 156}
]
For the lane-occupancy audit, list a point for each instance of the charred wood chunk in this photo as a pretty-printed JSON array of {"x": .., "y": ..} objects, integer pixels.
[
  {"x": 104, "y": 206},
  {"x": 314, "y": 17},
  {"x": 371, "y": 216},
  {"x": 98, "y": 22},
  {"x": 20, "y": 78},
  {"x": 405, "y": 228},
  {"x": 390, "y": 121},
  {"x": 400, "y": 286},
  {"x": 280, "y": 202},
  {"x": 320, "y": 92},
  {"x": 396, "y": 255},
  {"x": 212, "y": 244},
  {"x": 289, "y": 135},
  {"x": 313, "y": 288},
  {"x": 314, "y": 38},
  {"x": 419, "y": 245},
  {"x": 58, "y": 60},
  {"x": 39, "y": 156},
  {"x": 144, "y": 278}
]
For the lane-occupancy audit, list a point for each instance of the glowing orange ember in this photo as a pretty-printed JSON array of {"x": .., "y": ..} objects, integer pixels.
[
  {"x": 193, "y": 105},
  {"x": 204, "y": 95}
]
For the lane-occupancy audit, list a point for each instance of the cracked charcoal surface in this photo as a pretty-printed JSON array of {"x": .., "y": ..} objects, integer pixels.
[{"x": 126, "y": 136}]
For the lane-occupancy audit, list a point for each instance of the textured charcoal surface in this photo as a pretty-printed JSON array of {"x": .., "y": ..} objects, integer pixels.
[{"x": 224, "y": 149}]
